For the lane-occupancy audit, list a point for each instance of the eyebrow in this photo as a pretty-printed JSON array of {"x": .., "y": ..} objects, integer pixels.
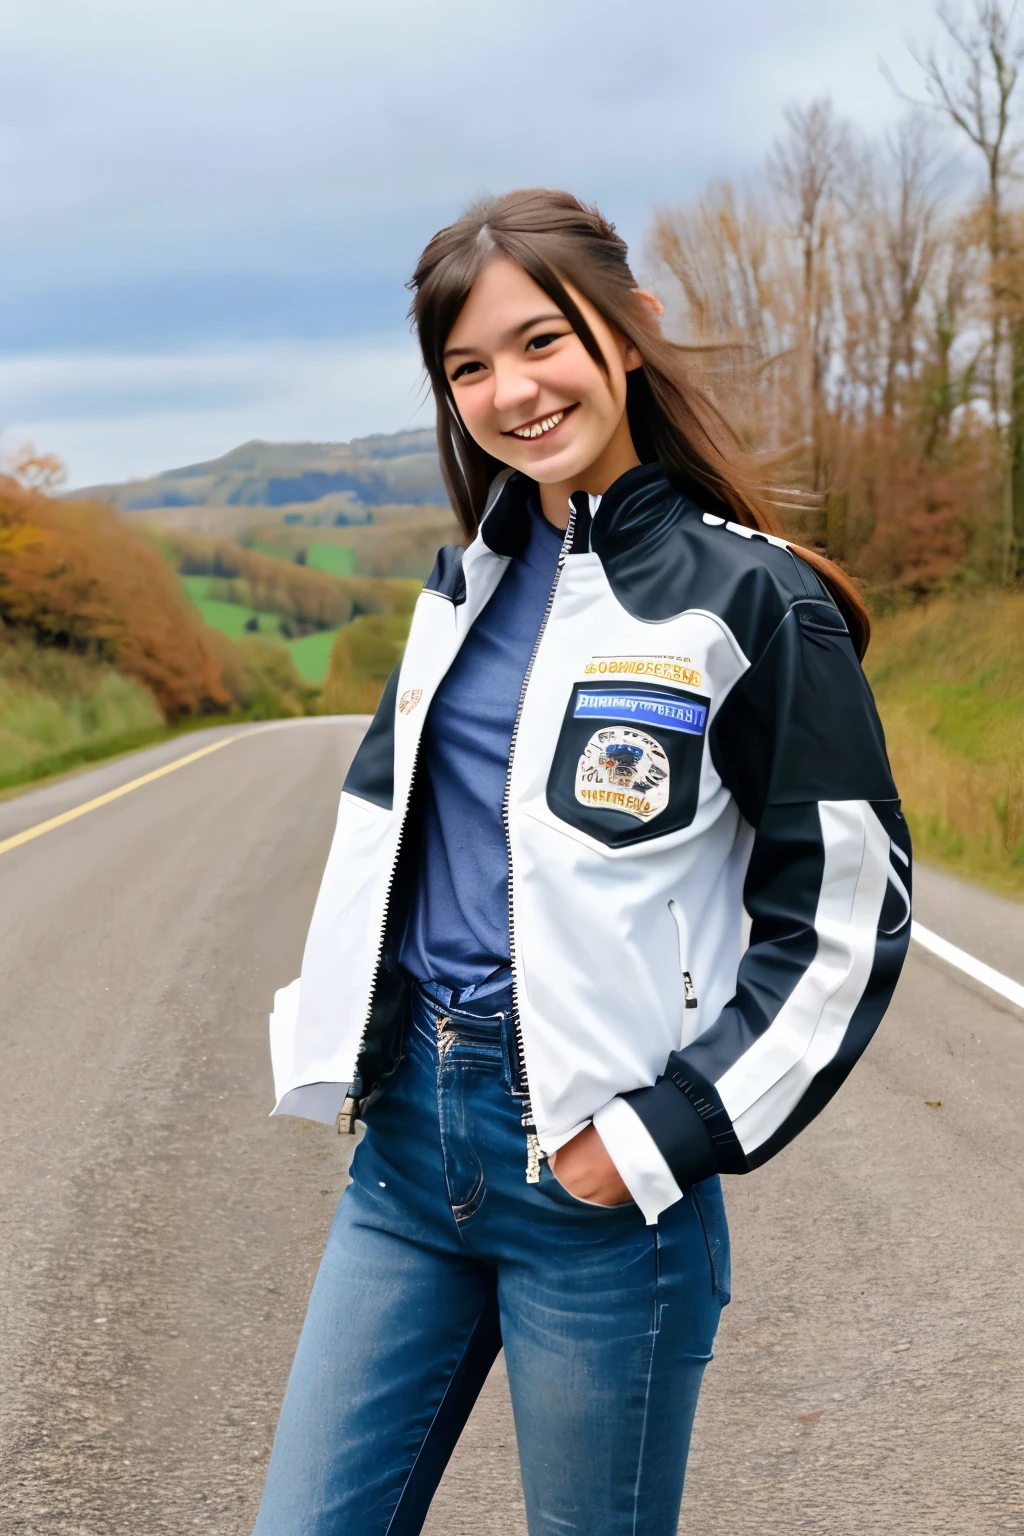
[{"x": 511, "y": 335}]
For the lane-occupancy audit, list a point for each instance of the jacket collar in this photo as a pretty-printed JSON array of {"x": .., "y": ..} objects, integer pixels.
[
  {"x": 503, "y": 526},
  {"x": 639, "y": 503}
]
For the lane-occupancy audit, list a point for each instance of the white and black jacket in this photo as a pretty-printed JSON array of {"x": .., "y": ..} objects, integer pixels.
[{"x": 695, "y": 737}]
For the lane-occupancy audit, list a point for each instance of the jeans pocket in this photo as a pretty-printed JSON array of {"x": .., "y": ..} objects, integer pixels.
[{"x": 709, "y": 1204}]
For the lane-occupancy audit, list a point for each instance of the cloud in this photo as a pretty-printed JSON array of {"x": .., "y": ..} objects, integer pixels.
[
  {"x": 227, "y": 137},
  {"x": 201, "y": 180},
  {"x": 112, "y": 417}
]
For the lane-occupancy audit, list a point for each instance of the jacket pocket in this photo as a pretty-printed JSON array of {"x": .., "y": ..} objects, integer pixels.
[{"x": 627, "y": 762}]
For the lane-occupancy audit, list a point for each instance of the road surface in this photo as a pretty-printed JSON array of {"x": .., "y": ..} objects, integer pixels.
[{"x": 159, "y": 1234}]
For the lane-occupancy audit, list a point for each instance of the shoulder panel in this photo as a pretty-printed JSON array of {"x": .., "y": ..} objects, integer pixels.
[
  {"x": 684, "y": 558},
  {"x": 371, "y": 775},
  {"x": 447, "y": 579}
]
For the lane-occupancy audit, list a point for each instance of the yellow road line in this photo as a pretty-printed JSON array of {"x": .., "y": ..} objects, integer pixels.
[{"x": 112, "y": 794}]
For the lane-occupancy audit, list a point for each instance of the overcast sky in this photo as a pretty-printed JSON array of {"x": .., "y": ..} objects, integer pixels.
[{"x": 209, "y": 208}]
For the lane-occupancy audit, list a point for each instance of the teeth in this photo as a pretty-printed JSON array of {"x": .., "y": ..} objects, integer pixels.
[{"x": 539, "y": 427}]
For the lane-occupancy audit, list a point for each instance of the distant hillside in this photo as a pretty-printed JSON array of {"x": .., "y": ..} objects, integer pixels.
[
  {"x": 301, "y": 607},
  {"x": 400, "y": 468}
]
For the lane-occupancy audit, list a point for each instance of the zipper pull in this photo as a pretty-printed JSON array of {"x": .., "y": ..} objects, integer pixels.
[
  {"x": 533, "y": 1158},
  {"x": 445, "y": 1035},
  {"x": 689, "y": 990},
  {"x": 348, "y": 1114}
]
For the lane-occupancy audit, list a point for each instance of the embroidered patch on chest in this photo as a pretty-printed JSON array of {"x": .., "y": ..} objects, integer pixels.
[
  {"x": 623, "y": 770},
  {"x": 671, "y": 669},
  {"x": 642, "y": 706}
]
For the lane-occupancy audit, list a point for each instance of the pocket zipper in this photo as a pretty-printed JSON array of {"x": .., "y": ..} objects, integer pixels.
[{"x": 689, "y": 990}]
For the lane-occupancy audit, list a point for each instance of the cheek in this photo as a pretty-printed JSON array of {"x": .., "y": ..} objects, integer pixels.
[
  {"x": 475, "y": 408},
  {"x": 590, "y": 386}
]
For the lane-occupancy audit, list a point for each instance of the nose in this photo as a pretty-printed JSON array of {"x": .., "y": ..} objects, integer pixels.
[{"x": 514, "y": 391}]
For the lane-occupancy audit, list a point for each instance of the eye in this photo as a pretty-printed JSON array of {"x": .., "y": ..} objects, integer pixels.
[
  {"x": 465, "y": 368},
  {"x": 544, "y": 340}
]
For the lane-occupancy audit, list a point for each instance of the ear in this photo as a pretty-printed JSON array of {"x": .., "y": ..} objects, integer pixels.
[
  {"x": 655, "y": 309},
  {"x": 649, "y": 299}
]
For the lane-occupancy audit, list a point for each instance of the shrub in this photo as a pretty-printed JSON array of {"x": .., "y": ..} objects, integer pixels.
[
  {"x": 365, "y": 654},
  {"x": 74, "y": 578}
]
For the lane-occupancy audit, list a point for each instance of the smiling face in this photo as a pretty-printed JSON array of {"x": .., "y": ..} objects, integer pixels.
[{"x": 528, "y": 391}]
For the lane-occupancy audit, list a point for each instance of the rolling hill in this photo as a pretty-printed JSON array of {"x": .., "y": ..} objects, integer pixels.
[
  {"x": 400, "y": 468},
  {"x": 378, "y": 504}
]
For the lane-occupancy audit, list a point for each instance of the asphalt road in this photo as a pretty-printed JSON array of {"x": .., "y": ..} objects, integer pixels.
[{"x": 158, "y": 1234}]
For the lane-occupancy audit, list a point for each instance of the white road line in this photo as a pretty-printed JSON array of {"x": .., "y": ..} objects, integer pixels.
[
  {"x": 995, "y": 980},
  {"x": 1013, "y": 991}
]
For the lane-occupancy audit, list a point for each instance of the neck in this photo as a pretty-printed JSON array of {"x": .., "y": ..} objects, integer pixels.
[{"x": 617, "y": 456}]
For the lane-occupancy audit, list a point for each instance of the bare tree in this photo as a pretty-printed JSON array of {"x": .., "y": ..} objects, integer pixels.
[
  {"x": 911, "y": 234},
  {"x": 836, "y": 312},
  {"x": 43, "y": 472},
  {"x": 804, "y": 169},
  {"x": 972, "y": 83},
  {"x": 948, "y": 381},
  {"x": 735, "y": 300}
]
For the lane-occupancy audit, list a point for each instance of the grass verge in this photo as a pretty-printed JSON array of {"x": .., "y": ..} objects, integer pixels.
[
  {"x": 63, "y": 765},
  {"x": 948, "y": 678}
]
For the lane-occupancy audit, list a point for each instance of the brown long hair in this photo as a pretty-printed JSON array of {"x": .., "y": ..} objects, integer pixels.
[{"x": 554, "y": 237}]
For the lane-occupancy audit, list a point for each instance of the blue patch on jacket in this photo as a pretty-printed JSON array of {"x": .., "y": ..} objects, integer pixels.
[{"x": 642, "y": 706}]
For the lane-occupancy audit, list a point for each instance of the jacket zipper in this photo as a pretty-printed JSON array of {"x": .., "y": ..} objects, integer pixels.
[
  {"x": 348, "y": 1114},
  {"x": 522, "y": 1089},
  {"x": 349, "y": 1111}
]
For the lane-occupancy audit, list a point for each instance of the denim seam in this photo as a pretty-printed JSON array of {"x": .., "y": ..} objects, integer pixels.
[
  {"x": 470, "y": 1206},
  {"x": 713, "y": 1249},
  {"x": 426, "y": 1436},
  {"x": 647, "y": 1389}
]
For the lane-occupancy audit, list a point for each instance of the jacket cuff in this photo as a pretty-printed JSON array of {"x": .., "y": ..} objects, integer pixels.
[
  {"x": 641, "y": 1166},
  {"x": 677, "y": 1131}
]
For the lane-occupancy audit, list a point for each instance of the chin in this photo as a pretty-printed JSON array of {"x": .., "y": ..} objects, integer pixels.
[
  {"x": 568, "y": 464},
  {"x": 558, "y": 473}
]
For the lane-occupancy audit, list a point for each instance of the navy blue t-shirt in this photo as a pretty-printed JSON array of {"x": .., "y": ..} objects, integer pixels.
[{"x": 457, "y": 929}]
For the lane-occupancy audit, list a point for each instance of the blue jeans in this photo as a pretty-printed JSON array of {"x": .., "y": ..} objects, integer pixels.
[{"x": 440, "y": 1254}]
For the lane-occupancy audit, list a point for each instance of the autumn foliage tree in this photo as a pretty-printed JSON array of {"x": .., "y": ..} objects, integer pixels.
[
  {"x": 840, "y": 312},
  {"x": 36, "y": 471},
  {"x": 72, "y": 575}
]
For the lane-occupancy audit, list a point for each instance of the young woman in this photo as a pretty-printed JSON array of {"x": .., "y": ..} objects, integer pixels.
[{"x": 627, "y": 711}]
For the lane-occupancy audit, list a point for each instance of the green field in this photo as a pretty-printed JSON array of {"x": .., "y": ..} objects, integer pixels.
[
  {"x": 229, "y": 618},
  {"x": 310, "y": 654},
  {"x": 335, "y": 559}
]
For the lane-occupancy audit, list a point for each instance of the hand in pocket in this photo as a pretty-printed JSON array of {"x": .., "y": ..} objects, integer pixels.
[{"x": 583, "y": 1167}]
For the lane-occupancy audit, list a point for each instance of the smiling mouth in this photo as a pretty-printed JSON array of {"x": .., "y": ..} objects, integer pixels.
[{"x": 542, "y": 425}]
